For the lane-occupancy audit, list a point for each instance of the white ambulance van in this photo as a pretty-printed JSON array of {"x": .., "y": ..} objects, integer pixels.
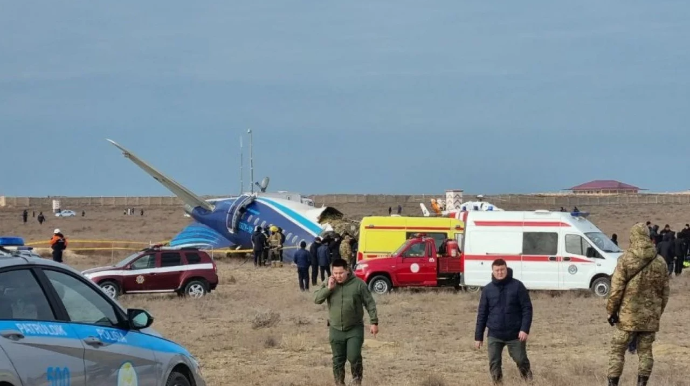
[{"x": 546, "y": 250}]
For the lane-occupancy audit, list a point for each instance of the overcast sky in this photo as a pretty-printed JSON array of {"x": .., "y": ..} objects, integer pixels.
[{"x": 344, "y": 97}]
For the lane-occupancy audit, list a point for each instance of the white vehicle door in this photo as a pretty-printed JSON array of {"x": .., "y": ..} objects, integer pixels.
[
  {"x": 113, "y": 355},
  {"x": 540, "y": 262},
  {"x": 43, "y": 350},
  {"x": 577, "y": 269},
  {"x": 483, "y": 246}
]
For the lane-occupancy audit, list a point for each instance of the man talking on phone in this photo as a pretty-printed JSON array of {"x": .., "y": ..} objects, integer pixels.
[{"x": 347, "y": 295}]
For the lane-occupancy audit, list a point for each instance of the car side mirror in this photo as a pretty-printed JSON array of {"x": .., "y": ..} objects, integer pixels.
[{"x": 139, "y": 319}]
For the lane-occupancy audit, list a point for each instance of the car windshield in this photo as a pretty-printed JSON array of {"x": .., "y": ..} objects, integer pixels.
[
  {"x": 128, "y": 259},
  {"x": 603, "y": 242}
]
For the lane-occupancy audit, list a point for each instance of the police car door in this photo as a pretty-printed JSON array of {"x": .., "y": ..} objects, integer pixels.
[
  {"x": 113, "y": 355},
  {"x": 43, "y": 350}
]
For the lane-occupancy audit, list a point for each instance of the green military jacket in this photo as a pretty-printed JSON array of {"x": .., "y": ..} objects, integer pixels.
[
  {"x": 346, "y": 302},
  {"x": 642, "y": 300}
]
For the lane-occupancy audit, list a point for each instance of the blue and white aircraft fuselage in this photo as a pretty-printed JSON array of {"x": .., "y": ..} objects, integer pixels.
[{"x": 230, "y": 222}]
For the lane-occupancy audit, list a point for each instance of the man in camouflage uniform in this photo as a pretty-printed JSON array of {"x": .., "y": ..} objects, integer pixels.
[
  {"x": 639, "y": 304},
  {"x": 275, "y": 244},
  {"x": 346, "y": 249}
]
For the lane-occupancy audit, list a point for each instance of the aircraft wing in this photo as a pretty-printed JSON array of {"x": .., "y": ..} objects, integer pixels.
[{"x": 189, "y": 198}]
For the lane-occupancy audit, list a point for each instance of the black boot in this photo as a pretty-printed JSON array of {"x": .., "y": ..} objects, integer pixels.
[
  {"x": 526, "y": 374},
  {"x": 613, "y": 381},
  {"x": 642, "y": 380},
  {"x": 357, "y": 372}
]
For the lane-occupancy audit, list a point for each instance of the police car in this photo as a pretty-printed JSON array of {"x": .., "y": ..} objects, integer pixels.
[{"x": 58, "y": 328}]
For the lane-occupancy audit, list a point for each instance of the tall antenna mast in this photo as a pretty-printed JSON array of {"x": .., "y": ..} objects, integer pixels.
[
  {"x": 241, "y": 169},
  {"x": 251, "y": 159}
]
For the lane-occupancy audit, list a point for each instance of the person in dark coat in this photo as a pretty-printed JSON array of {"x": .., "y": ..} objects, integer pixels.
[
  {"x": 323, "y": 254},
  {"x": 681, "y": 246},
  {"x": 303, "y": 261},
  {"x": 314, "y": 259},
  {"x": 614, "y": 238},
  {"x": 667, "y": 249},
  {"x": 258, "y": 243},
  {"x": 506, "y": 309}
]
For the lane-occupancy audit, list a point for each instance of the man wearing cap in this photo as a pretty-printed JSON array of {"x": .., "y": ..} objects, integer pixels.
[{"x": 58, "y": 243}]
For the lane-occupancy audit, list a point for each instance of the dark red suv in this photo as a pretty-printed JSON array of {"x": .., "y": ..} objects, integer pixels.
[{"x": 187, "y": 271}]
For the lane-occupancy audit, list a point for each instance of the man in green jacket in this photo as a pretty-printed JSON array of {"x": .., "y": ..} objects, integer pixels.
[{"x": 346, "y": 295}]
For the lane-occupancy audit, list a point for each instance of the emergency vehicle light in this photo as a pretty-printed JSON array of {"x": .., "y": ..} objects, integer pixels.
[
  {"x": 579, "y": 214},
  {"x": 11, "y": 241}
]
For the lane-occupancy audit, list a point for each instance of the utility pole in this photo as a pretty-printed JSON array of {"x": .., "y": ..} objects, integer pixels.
[
  {"x": 241, "y": 169},
  {"x": 251, "y": 159}
]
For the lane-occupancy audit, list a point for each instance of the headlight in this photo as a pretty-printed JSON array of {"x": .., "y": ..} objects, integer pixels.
[{"x": 360, "y": 267}]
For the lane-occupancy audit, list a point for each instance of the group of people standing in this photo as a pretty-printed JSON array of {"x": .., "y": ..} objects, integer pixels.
[
  {"x": 267, "y": 245},
  {"x": 674, "y": 248},
  {"x": 321, "y": 255}
]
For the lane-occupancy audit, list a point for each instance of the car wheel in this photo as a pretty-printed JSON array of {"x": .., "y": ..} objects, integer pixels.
[
  {"x": 380, "y": 285},
  {"x": 472, "y": 288},
  {"x": 601, "y": 287},
  {"x": 177, "y": 379},
  {"x": 195, "y": 289},
  {"x": 110, "y": 288}
]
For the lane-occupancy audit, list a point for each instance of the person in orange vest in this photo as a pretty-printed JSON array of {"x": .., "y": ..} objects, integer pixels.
[{"x": 58, "y": 244}]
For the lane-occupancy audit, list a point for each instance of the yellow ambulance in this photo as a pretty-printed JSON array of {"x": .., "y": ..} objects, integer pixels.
[{"x": 379, "y": 236}]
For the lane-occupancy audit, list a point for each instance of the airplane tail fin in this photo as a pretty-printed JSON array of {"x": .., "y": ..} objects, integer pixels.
[
  {"x": 190, "y": 199},
  {"x": 425, "y": 211}
]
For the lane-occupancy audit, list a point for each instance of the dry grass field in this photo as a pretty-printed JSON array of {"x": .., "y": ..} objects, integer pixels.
[{"x": 259, "y": 329}]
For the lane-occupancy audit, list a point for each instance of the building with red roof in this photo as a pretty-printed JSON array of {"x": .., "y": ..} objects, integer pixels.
[{"x": 605, "y": 187}]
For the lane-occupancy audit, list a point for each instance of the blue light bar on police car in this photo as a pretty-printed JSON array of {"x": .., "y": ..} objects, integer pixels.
[{"x": 11, "y": 241}]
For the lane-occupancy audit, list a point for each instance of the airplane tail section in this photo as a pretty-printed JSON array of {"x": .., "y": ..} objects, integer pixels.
[
  {"x": 425, "y": 211},
  {"x": 201, "y": 236},
  {"x": 190, "y": 199}
]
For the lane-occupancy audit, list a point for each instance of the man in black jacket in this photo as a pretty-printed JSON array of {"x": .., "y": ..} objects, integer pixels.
[{"x": 506, "y": 309}]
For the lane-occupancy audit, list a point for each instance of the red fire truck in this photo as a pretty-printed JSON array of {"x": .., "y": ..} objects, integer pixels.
[{"x": 416, "y": 263}]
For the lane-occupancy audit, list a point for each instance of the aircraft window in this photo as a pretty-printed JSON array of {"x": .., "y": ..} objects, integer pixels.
[
  {"x": 257, "y": 221},
  {"x": 294, "y": 240},
  {"x": 288, "y": 236},
  {"x": 263, "y": 224},
  {"x": 249, "y": 219}
]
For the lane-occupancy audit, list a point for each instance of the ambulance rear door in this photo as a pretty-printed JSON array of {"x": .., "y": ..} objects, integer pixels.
[{"x": 486, "y": 240}]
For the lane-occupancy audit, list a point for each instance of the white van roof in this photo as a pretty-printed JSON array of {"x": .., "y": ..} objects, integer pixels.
[{"x": 536, "y": 218}]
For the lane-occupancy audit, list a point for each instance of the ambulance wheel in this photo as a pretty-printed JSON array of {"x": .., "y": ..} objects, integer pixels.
[
  {"x": 472, "y": 288},
  {"x": 177, "y": 379},
  {"x": 110, "y": 288},
  {"x": 601, "y": 287},
  {"x": 380, "y": 285}
]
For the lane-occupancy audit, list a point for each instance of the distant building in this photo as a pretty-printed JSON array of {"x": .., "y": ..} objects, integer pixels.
[{"x": 605, "y": 187}]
